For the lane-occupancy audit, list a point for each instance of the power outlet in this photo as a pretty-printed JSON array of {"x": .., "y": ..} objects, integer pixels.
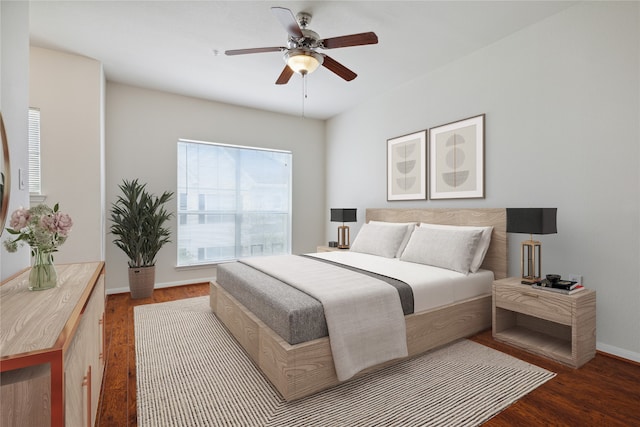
[{"x": 575, "y": 278}]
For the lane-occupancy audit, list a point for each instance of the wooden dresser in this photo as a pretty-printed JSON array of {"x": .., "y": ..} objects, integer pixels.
[{"x": 52, "y": 348}]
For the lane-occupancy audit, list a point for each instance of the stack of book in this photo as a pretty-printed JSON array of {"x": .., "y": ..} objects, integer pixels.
[{"x": 560, "y": 286}]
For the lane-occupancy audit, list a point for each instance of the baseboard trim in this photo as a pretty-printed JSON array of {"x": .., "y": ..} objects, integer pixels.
[
  {"x": 125, "y": 290},
  {"x": 618, "y": 353}
]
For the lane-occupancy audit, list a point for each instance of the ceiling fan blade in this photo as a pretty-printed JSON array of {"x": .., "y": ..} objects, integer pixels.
[
  {"x": 288, "y": 21},
  {"x": 350, "y": 40},
  {"x": 338, "y": 68},
  {"x": 253, "y": 50},
  {"x": 285, "y": 76}
]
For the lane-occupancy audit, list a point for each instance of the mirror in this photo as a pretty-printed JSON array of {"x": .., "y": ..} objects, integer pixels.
[{"x": 5, "y": 175}]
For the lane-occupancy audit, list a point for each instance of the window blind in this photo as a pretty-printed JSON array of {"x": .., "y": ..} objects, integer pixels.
[
  {"x": 233, "y": 202},
  {"x": 35, "y": 184}
]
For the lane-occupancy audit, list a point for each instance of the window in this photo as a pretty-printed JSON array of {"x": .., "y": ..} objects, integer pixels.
[
  {"x": 34, "y": 151},
  {"x": 233, "y": 202}
]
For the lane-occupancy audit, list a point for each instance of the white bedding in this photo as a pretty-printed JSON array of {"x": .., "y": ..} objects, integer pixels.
[
  {"x": 432, "y": 286},
  {"x": 364, "y": 315}
]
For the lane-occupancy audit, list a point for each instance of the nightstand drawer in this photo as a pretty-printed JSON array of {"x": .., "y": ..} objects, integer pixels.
[
  {"x": 328, "y": 249},
  {"x": 541, "y": 304}
]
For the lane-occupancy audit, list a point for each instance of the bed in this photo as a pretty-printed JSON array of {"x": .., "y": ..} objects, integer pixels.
[{"x": 307, "y": 366}]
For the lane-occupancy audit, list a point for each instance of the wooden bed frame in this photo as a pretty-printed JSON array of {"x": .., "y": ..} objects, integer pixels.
[{"x": 303, "y": 369}]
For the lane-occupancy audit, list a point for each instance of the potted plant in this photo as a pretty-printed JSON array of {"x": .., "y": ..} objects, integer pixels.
[{"x": 138, "y": 219}]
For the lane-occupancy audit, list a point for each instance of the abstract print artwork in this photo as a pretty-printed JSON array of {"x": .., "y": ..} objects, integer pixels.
[
  {"x": 457, "y": 159},
  {"x": 406, "y": 167}
]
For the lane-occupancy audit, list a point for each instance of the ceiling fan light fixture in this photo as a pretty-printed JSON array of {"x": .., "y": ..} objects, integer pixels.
[{"x": 303, "y": 61}]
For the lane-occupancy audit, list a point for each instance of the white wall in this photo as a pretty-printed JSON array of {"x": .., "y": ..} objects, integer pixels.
[
  {"x": 14, "y": 104},
  {"x": 68, "y": 90},
  {"x": 142, "y": 130},
  {"x": 562, "y": 101}
]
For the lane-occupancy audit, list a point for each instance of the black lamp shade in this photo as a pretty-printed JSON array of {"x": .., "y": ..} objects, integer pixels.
[
  {"x": 343, "y": 215},
  {"x": 532, "y": 220}
]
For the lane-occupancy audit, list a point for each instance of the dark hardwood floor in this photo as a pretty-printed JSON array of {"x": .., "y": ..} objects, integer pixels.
[
  {"x": 117, "y": 405},
  {"x": 604, "y": 392}
]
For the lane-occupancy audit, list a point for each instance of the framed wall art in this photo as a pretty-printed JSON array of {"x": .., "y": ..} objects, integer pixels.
[
  {"x": 456, "y": 165},
  {"x": 407, "y": 167}
]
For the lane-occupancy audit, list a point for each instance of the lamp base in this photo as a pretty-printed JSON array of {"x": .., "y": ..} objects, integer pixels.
[
  {"x": 343, "y": 237},
  {"x": 530, "y": 261}
]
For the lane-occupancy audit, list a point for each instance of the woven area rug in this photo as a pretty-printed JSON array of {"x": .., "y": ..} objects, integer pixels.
[{"x": 191, "y": 372}]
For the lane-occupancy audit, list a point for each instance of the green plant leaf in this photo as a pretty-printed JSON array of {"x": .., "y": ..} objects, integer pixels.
[{"x": 138, "y": 219}]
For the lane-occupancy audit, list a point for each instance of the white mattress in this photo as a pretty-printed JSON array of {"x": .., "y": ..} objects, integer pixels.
[{"x": 432, "y": 286}]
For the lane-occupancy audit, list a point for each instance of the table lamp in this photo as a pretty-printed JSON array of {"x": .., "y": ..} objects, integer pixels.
[
  {"x": 531, "y": 221},
  {"x": 343, "y": 215}
]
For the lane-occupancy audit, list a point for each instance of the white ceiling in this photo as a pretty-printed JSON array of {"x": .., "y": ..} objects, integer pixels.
[{"x": 171, "y": 45}]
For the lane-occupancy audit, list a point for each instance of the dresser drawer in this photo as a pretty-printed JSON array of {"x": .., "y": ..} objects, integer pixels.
[{"x": 538, "y": 303}]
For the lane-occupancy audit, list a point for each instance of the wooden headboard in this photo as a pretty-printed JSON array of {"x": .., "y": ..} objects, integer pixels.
[{"x": 496, "y": 258}]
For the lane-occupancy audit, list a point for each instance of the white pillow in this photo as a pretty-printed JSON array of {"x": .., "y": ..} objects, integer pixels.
[
  {"x": 483, "y": 245},
  {"x": 446, "y": 248},
  {"x": 379, "y": 239},
  {"x": 410, "y": 226}
]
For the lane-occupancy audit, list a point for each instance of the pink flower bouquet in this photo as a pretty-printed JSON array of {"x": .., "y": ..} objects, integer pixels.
[{"x": 42, "y": 228}]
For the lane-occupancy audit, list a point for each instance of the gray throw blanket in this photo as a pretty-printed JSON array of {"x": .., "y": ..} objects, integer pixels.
[{"x": 364, "y": 316}]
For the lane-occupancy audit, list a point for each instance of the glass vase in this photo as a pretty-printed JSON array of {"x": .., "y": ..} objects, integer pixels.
[{"x": 43, "y": 273}]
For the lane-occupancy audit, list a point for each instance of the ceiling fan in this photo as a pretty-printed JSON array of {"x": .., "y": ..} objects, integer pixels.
[{"x": 301, "y": 54}]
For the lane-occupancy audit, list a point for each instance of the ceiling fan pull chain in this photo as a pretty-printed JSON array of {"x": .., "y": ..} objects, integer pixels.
[{"x": 304, "y": 92}]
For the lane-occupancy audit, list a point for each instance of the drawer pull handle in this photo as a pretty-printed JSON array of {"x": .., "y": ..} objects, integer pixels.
[
  {"x": 86, "y": 381},
  {"x": 529, "y": 294}
]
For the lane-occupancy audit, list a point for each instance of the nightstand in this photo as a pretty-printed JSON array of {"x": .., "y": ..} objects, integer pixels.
[
  {"x": 558, "y": 326},
  {"x": 328, "y": 249}
]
